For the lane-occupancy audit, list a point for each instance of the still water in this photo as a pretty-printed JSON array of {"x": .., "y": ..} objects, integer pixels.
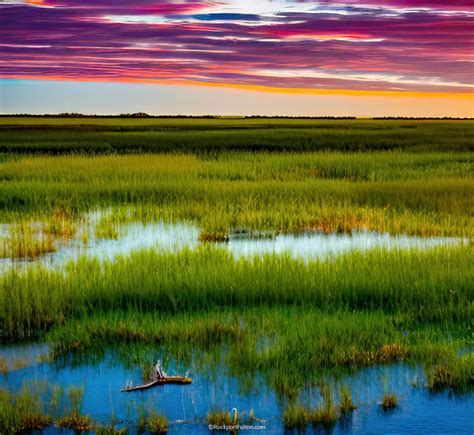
[
  {"x": 172, "y": 237},
  {"x": 186, "y": 406}
]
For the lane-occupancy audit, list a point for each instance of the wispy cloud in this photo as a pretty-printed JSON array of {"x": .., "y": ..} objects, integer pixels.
[{"x": 389, "y": 45}]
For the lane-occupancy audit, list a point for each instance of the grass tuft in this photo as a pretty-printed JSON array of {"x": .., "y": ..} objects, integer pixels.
[
  {"x": 389, "y": 402},
  {"x": 457, "y": 374},
  {"x": 297, "y": 416},
  {"x": 158, "y": 424},
  {"x": 346, "y": 404}
]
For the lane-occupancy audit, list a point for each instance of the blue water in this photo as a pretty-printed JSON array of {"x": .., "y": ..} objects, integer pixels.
[{"x": 186, "y": 406}]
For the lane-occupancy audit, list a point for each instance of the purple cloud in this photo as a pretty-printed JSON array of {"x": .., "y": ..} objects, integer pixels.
[{"x": 396, "y": 45}]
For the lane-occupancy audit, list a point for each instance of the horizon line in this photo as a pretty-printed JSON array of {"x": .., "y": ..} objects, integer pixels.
[{"x": 142, "y": 115}]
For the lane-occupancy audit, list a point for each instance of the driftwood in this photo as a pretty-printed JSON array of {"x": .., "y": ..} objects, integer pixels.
[{"x": 159, "y": 377}]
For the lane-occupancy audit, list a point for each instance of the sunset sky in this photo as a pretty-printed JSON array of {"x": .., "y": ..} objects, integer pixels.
[{"x": 339, "y": 57}]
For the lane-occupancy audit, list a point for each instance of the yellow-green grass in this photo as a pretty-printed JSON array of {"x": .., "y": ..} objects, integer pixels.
[
  {"x": 397, "y": 192},
  {"x": 158, "y": 424},
  {"x": 389, "y": 402},
  {"x": 325, "y": 414},
  {"x": 456, "y": 374}
]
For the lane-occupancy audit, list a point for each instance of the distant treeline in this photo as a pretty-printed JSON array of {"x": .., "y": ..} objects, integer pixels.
[{"x": 146, "y": 115}]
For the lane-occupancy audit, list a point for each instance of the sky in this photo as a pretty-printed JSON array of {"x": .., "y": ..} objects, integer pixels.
[{"x": 233, "y": 57}]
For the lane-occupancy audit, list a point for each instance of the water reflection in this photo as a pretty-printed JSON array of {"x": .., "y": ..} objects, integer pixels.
[
  {"x": 172, "y": 237},
  {"x": 187, "y": 406}
]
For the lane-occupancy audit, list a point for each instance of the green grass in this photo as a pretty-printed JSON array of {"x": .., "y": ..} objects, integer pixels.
[
  {"x": 325, "y": 414},
  {"x": 57, "y": 136},
  {"x": 219, "y": 418},
  {"x": 297, "y": 416},
  {"x": 426, "y": 194},
  {"x": 427, "y": 286},
  {"x": 455, "y": 374},
  {"x": 289, "y": 322},
  {"x": 37, "y": 406},
  {"x": 346, "y": 405}
]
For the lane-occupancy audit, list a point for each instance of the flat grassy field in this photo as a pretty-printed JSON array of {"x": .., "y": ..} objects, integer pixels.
[
  {"x": 195, "y": 135},
  {"x": 291, "y": 321}
]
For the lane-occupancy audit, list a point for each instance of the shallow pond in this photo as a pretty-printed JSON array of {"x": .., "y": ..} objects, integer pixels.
[
  {"x": 186, "y": 406},
  {"x": 163, "y": 236}
]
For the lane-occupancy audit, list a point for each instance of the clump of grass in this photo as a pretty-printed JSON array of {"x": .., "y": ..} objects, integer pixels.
[
  {"x": 393, "y": 352},
  {"x": 219, "y": 418},
  {"x": 389, "y": 402},
  {"x": 106, "y": 230},
  {"x": 213, "y": 237},
  {"x": 85, "y": 238},
  {"x": 60, "y": 225},
  {"x": 19, "y": 363},
  {"x": 4, "y": 369},
  {"x": 158, "y": 424},
  {"x": 457, "y": 374},
  {"x": 21, "y": 413},
  {"x": 110, "y": 430},
  {"x": 75, "y": 422},
  {"x": 297, "y": 416},
  {"x": 24, "y": 242},
  {"x": 142, "y": 423},
  {"x": 326, "y": 414},
  {"x": 36, "y": 422},
  {"x": 346, "y": 404}
]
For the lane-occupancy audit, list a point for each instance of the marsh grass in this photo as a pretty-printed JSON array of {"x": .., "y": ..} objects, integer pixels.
[
  {"x": 106, "y": 229},
  {"x": 297, "y": 416},
  {"x": 24, "y": 411},
  {"x": 325, "y": 414},
  {"x": 28, "y": 240},
  {"x": 110, "y": 430},
  {"x": 158, "y": 424},
  {"x": 213, "y": 237},
  {"x": 142, "y": 423},
  {"x": 219, "y": 418},
  {"x": 4, "y": 369},
  {"x": 292, "y": 322},
  {"x": 38, "y": 406},
  {"x": 213, "y": 136},
  {"x": 379, "y": 307},
  {"x": 389, "y": 402},
  {"x": 76, "y": 422},
  {"x": 430, "y": 286},
  {"x": 25, "y": 242},
  {"x": 222, "y": 421},
  {"x": 296, "y": 356},
  {"x": 346, "y": 404},
  {"x": 456, "y": 374},
  {"x": 396, "y": 192}
]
